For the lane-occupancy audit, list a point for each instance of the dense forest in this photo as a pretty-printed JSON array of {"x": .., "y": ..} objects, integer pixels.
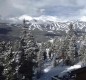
[{"x": 26, "y": 59}]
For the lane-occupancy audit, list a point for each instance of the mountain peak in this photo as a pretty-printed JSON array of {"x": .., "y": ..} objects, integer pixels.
[{"x": 41, "y": 18}]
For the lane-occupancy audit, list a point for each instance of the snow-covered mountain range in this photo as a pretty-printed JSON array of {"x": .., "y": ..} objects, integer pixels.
[
  {"x": 46, "y": 23},
  {"x": 49, "y": 23}
]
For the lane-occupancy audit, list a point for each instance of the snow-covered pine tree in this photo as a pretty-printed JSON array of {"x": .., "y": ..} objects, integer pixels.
[
  {"x": 72, "y": 46},
  {"x": 30, "y": 49},
  {"x": 40, "y": 60},
  {"x": 82, "y": 51},
  {"x": 9, "y": 65}
]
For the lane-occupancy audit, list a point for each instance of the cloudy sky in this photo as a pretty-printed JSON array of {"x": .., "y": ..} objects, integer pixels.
[{"x": 67, "y": 9}]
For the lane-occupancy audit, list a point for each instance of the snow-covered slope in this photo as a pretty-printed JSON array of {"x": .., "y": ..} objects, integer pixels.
[
  {"x": 51, "y": 23},
  {"x": 52, "y": 26},
  {"x": 48, "y": 23}
]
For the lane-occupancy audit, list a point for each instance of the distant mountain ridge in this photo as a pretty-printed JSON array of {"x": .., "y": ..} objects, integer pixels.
[{"x": 45, "y": 23}]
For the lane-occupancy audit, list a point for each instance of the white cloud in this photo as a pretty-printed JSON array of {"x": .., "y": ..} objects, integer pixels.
[
  {"x": 77, "y": 8},
  {"x": 83, "y": 18},
  {"x": 25, "y": 17}
]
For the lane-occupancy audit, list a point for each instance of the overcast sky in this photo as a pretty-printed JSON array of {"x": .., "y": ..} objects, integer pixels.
[{"x": 70, "y": 9}]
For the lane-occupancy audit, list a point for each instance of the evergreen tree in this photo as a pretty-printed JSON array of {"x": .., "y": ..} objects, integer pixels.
[
  {"x": 29, "y": 55},
  {"x": 9, "y": 65}
]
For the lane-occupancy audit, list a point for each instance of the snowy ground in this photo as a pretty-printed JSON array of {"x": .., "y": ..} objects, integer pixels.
[{"x": 51, "y": 71}]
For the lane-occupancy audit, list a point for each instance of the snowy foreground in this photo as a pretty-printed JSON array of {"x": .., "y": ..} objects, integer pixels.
[{"x": 60, "y": 70}]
